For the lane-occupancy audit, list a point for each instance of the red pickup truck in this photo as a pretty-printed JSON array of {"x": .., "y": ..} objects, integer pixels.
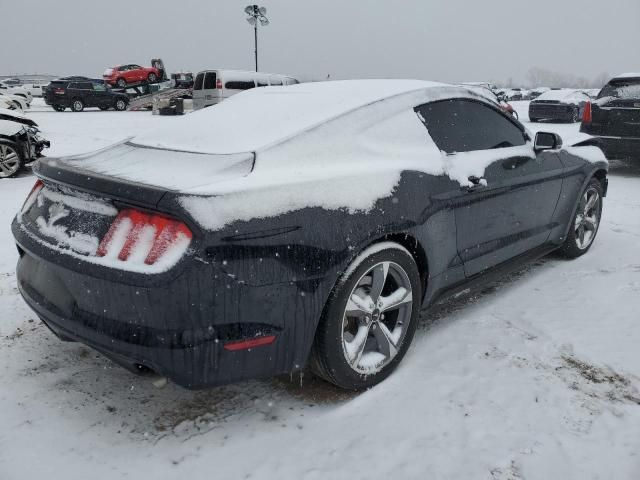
[{"x": 124, "y": 75}]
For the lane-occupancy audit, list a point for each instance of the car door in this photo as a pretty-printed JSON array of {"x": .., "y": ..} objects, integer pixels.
[
  {"x": 508, "y": 192},
  {"x": 101, "y": 95},
  {"x": 137, "y": 73}
]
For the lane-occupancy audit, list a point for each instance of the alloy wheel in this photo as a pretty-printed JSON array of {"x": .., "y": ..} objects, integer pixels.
[
  {"x": 587, "y": 218},
  {"x": 9, "y": 161},
  {"x": 376, "y": 317}
]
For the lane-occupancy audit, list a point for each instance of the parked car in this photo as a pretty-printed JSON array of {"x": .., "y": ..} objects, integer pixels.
[
  {"x": 80, "y": 94},
  {"x": 17, "y": 91},
  {"x": 615, "y": 117},
  {"x": 182, "y": 80},
  {"x": 35, "y": 88},
  {"x": 124, "y": 75},
  {"x": 536, "y": 92},
  {"x": 20, "y": 142},
  {"x": 310, "y": 222},
  {"x": 213, "y": 86},
  {"x": 560, "y": 105},
  {"x": 13, "y": 102}
]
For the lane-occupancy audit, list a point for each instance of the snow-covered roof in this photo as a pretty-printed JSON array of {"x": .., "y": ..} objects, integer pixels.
[
  {"x": 563, "y": 94},
  {"x": 261, "y": 117}
]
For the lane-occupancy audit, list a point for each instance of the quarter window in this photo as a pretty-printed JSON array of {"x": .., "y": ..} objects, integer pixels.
[
  {"x": 239, "y": 85},
  {"x": 466, "y": 125}
]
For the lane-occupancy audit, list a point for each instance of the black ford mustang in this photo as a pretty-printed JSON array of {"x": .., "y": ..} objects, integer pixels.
[{"x": 296, "y": 225}]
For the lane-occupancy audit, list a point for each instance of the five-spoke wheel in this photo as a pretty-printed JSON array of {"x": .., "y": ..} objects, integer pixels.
[
  {"x": 370, "y": 318},
  {"x": 586, "y": 221}
]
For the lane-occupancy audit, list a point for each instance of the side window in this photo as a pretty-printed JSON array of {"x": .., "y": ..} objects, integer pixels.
[
  {"x": 465, "y": 125},
  {"x": 239, "y": 85},
  {"x": 197, "y": 85},
  {"x": 72, "y": 86},
  {"x": 275, "y": 81},
  {"x": 99, "y": 87},
  {"x": 85, "y": 86}
]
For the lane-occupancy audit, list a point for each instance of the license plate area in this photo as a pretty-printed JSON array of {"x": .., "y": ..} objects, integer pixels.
[{"x": 69, "y": 219}]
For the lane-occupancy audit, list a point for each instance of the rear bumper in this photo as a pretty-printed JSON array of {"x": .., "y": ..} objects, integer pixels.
[{"x": 179, "y": 328}]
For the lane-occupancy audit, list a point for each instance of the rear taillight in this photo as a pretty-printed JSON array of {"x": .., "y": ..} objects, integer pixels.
[
  {"x": 587, "y": 114},
  {"x": 219, "y": 84},
  {"x": 145, "y": 238},
  {"x": 31, "y": 198},
  {"x": 58, "y": 91}
]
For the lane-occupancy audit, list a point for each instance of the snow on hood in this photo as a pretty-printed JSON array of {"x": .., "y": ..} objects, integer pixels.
[{"x": 265, "y": 116}]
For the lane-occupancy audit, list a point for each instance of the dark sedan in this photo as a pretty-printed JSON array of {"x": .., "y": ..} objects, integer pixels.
[
  {"x": 562, "y": 105},
  {"x": 293, "y": 226},
  {"x": 614, "y": 117}
]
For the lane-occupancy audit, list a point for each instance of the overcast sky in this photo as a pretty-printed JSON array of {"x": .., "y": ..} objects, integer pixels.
[{"x": 447, "y": 40}]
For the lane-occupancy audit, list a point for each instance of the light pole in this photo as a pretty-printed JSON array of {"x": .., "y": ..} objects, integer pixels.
[{"x": 256, "y": 14}]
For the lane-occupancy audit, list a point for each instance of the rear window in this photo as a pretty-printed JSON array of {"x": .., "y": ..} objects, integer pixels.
[
  {"x": 239, "y": 85},
  {"x": 199, "y": 81},
  {"x": 210, "y": 80},
  {"x": 623, "y": 90}
]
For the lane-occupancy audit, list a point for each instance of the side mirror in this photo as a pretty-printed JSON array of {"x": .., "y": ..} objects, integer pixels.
[{"x": 547, "y": 141}]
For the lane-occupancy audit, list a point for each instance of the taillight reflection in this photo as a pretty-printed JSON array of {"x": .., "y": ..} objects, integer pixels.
[{"x": 148, "y": 238}]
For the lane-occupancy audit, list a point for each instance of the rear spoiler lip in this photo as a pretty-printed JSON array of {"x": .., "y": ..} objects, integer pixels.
[{"x": 57, "y": 171}]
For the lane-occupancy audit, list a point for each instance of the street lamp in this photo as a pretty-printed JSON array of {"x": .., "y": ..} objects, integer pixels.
[{"x": 256, "y": 14}]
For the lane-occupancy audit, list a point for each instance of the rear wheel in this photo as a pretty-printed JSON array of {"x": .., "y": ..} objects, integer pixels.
[
  {"x": 59, "y": 108},
  {"x": 120, "y": 105},
  {"x": 122, "y": 83},
  {"x": 152, "y": 78},
  {"x": 370, "y": 319},
  {"x": 585, "y": 222},
  {"x": 533, "y": 119},
  {"x": 77, "y": 105},
  {"x": 11, "y": 160}
]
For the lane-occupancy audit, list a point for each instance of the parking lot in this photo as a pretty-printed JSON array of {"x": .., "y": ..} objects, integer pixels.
[{"x": 537, "y": 376}]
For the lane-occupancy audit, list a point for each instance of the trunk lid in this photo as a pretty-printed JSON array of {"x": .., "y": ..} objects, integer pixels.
[{"x": 616, "y": 118}]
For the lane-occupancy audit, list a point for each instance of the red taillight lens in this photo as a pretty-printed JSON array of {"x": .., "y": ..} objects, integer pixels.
[
  {"x": 139, "y": 237},
  {"x": 219, "y": 84},
  {"x": 33, "y": 194},
  {"x": 58, "y": 91},
  {"x": 587, "y": 114}
]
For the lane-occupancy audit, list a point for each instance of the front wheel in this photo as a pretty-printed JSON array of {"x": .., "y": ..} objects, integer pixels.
[
  {"x": 585, "y": 222},
  {"x": 370, "y": 318},
  {"x": 11, "y": 160}
]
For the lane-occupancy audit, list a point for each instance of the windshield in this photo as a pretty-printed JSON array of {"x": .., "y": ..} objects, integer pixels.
[{"x": 622, "y": 90}]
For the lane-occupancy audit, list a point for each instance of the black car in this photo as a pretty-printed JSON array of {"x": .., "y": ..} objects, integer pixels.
[
  {"x": 78, "y": 93},
  {"x": 614, "y": 117},
  {"x": 559, "y": 105},
  {"x": 317, "y": 239}
]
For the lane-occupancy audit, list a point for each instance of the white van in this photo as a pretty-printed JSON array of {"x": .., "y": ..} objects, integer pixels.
[{"x": 213, "y": 86}]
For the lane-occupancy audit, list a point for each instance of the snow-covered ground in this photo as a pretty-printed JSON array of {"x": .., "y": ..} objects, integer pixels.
[{"x": 536, "y": 378}]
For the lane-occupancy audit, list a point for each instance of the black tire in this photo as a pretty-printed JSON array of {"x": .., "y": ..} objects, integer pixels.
[
  {"x": 11, "y": 158},
  {"x": 121, "y": 82},
  {"x": 59, "y": 108},
  {"x": 77, "y": 105},
  {"x": 153, "y": 78},
  {"x": 104, "y": 109},
  {"x": 120, "y": 105},
  {"x": 329, "y": 356},
  {"x": 572, "y": 247},
  {"x": 533, "y": 120}
]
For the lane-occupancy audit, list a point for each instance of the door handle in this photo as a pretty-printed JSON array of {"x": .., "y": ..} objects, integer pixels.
[{"x": 475, "y": 183}]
